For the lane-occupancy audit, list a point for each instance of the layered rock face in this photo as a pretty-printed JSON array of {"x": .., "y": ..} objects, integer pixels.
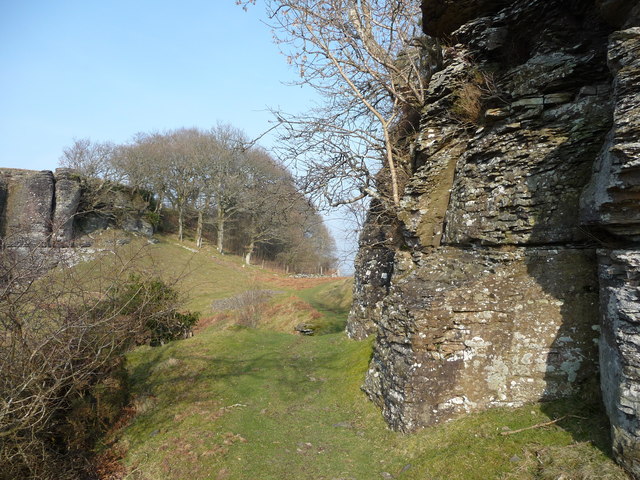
[
  {"x": 25, "y": 207},
  {"x": 484, "y": 289},
  {"x": 46, "y": 209},
  {"x": 612, "y": 202}
]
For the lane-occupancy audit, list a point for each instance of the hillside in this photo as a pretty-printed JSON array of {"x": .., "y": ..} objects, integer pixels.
[{"x": 235, "y": 402}]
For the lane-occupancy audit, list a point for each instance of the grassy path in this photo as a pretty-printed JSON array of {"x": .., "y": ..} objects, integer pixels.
[
  {"x": 260, "y": 404},
  {"x": 255, "y": 404}
]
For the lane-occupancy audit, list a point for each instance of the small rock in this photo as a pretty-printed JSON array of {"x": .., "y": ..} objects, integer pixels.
[
  {"x": 305, "y": 329},
  {"x": 342, "y": 425},
  {"x": 496, "y": 113},
  {"x": 386, "y": 476},
  {"x": 515, "y": 459}
]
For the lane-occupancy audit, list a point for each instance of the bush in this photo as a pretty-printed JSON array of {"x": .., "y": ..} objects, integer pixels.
[
  {"x": 468, "y": 103},
  {"x": 62, "y": 345},
  {"x": 151, "y": 305}
]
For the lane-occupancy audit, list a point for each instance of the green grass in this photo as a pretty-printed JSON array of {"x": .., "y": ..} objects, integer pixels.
[
  {"x": 202, "y": 275},
  {"x": 332, "y": 301},
  {"x": 239, "y": 403},
  {"x": 255, "y": 404}
]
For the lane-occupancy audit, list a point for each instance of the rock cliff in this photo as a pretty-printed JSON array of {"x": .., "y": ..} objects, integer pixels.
[
  {"x": 516, "y": 248},
  {"x": 46, "y": 209}
]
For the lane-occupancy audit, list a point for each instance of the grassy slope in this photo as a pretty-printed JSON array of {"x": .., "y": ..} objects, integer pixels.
[{"x": 235, "y": 403}]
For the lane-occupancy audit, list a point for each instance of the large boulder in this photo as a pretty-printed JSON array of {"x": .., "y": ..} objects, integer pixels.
[{"x": 525, "y": 161}]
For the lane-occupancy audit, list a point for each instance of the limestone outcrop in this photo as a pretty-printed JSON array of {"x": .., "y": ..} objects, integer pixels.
[
  {"x": 516, "y": 241},
  {"x": 26, "y": 205},
  {"x": 47, "y": 209},
  {"x": 68, "y": 191}
]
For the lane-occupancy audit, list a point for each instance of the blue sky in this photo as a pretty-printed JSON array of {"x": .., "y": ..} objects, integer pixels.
[{"x": 108, "y": 69}]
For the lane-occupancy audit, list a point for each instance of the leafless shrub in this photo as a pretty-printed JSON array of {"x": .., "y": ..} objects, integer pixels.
[
  {"x": 62, "y": 336},
  {"x": 249, "y": 305}
]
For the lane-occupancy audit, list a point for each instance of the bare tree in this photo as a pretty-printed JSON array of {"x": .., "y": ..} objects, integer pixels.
[
  {"x": 268, "y": 197},
  {"x": 228, "y": 176},
  {"x": 143, "y": 163},
  {"x": 91, "y": 159},
  {"x": 222, "y": 178},
  {"x": 370, "y": 64}
]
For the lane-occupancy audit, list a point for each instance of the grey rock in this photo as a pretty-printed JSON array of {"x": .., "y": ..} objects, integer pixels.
[
  {"x": 465, "y": 330},
  {"x": 343, "y": 425},
  {"x": 68, "y": 191},
  {"x": 612, "y": 198},
  {"x": 620, "y": 351},
  {"x": 482, "y": 288},
  {"x": 305, "y": 329},
  {"x": 27, "y": 207}
]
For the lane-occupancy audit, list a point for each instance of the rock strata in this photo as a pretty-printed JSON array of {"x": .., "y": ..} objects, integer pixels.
[
  {"x": 27, "y": 207},
  {"x": 611, "y": 202},
  {"x": 620, "y": 351},
  {"x": 67, "y": 199},
  {"x": 483, "y": 289}
]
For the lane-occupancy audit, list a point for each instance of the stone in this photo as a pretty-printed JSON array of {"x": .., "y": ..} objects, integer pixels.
[
  {"x": 612, "y": 198},
  {"x": 464, "y": 330},
  {"x": 483, "y": 287},
  {"x": 68, "y": 191},
  {"x": 305, "y": 329},
  {"x": 619, "y": 272},
  {"x": 136, "y": 223},
  {"x": 441, "y": 17},
  {"x": 27, "y": 207},
  {"x": 42, "y": 209},
  {"x": 375, "y": 258}
]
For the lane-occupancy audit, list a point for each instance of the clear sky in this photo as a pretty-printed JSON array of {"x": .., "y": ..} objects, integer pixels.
[{"x": 108, "y": 69}]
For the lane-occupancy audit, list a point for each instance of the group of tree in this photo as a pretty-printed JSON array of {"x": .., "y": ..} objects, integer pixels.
[{"x": 218, "y": 187}]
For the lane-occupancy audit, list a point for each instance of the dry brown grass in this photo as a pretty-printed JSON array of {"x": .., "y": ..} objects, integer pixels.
[
  {"x": 468, "y": 103},
  {"x": 284, "y": 315},
  {"x": 109, "y": 466},
  {"x": 467, "y": 106},
  {"x": 293, "y": 282}
]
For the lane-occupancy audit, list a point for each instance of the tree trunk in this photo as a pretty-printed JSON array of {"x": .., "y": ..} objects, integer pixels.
[
  {"x": 160, "y": 199},
  {"x": 247, "y": 256},
  {"x": 220, "y": 228},
  {"x": 199, "y": 230},
  {"x": 180, "y": 221}
]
